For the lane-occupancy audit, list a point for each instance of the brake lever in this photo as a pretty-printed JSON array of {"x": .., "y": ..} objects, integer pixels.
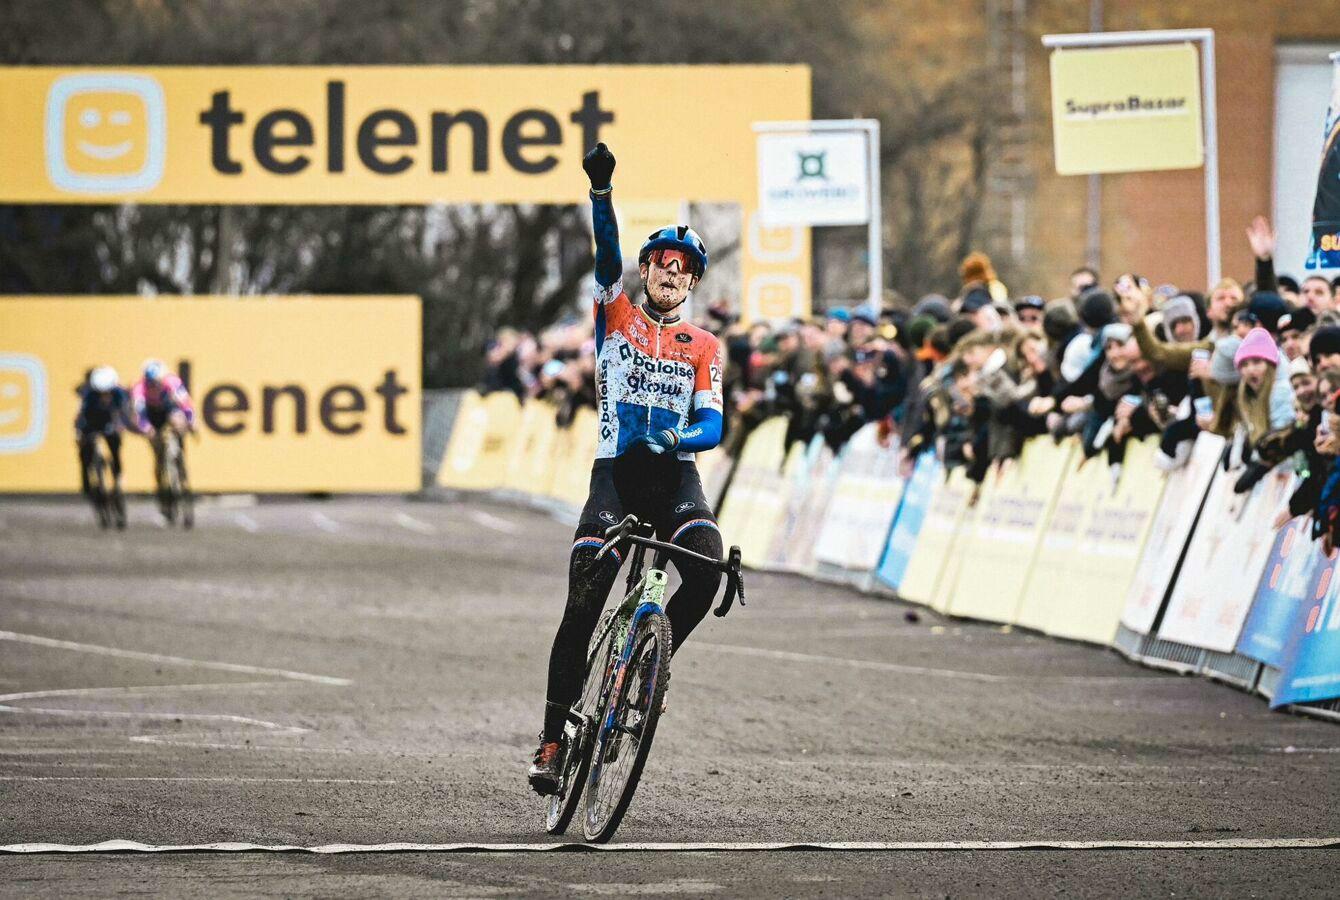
[
  {"x": 616, "y": 533},
  {"x": 734, "y": 584}
]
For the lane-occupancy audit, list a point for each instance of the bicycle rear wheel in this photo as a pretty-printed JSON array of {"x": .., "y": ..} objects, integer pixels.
[
  {"x": 563, "y": 804},
  {"x": 186, "y": 503},
  {"x": 621, "y": 746}
]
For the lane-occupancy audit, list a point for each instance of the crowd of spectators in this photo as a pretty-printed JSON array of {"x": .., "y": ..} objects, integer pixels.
[{"x": 974, "y": 376}]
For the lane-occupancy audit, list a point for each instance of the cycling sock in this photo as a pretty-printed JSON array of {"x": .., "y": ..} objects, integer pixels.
[
  {"x": 699, "y": 583},
  {"x": 589, "y": 583}
]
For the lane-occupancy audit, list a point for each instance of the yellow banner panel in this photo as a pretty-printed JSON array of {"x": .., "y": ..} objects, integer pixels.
[
  {"x": 317, "y": 394},
  {"x": 753, "y": 505},
  {"x": 936, "y": 543},
  {"x": 1126, "y": 109},
  {"x": 999, "y": 553},
  {"x": 1086, "y": 601},
  {"x": 384, "y": 134}
]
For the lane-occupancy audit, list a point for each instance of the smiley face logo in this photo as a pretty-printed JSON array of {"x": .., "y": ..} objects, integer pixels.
[
  {"x": 106, "y": 133},
  {"x": 23, "y": 403}
]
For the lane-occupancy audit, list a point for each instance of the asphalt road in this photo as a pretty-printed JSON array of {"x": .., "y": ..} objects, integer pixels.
[{"x": 370, "y": 671}]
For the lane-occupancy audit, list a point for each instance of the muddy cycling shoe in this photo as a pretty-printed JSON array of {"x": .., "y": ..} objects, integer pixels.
[{"x": 544, "y": 770}]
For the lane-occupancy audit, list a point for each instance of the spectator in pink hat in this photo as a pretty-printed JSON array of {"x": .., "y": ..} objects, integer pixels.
[{"x": 1265, "y": 401}]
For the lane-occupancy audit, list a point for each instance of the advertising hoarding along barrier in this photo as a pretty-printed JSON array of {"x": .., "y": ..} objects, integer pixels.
[
  {"x": 291, "y": 394},
  {"x": 821, "y": 481},
  {"x": 531, "y": 468},
  {"x": 574, "y": 453},
  {"x": 796, "y": 474},
  {"x": 1311, "y": 668},
  {"x": 1169, "y": 533},
  {"x": 1223, "y": 562},
  {"x": 946, "y": 511},
  {"x": 865, "y": 497},
  {"x": 480, "y": 449},
  {"x": 998, "y": 554},
  {"x": 907, "y": 523},
  {"x": 1294, "y": 558},
  {"x": 1091, "y": 546},
  {"x": 753, "y": 505}
]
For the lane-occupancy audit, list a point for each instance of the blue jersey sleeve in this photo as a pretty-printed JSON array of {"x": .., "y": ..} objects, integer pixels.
[
  {"x": 703, "y": 431},
  {"x": 609, "y": 262}
]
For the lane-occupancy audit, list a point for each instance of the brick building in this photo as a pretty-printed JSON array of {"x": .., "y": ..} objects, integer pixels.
[{"x": 1272, "y": 74}]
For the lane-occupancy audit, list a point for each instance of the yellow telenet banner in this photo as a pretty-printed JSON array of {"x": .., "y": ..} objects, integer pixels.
[
  {"x": 404, "y": 134},
  {"x": 318, "y": 394},
  {"x": 1126, "y": 109}
]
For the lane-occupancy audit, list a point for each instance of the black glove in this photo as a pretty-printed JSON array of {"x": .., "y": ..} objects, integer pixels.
[{"x": 599, "y": 166}]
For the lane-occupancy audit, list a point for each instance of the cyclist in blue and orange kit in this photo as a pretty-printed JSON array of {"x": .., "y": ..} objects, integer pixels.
[{"x": 658, "y": 383}]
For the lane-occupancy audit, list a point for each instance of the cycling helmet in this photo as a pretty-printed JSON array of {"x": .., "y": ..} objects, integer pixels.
[
  {"x": 676, "y": 237},
  {"x": 153, "y": 370},
  {"x": 103, "y": 378}
]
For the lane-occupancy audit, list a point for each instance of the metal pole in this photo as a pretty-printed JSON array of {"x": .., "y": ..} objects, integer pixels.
[
  {"x": 1213, "y": 261},
  {"x": 1093, "y": 244},
  {"x": 875, "y": 235},
  {"x": 1205, "y": 38}
]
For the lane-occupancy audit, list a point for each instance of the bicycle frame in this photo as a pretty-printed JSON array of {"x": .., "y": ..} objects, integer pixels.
[{"x": 646, "y": 594}]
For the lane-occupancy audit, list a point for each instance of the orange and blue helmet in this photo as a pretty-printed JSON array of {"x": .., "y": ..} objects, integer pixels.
[{"x": 677, "y": 237}]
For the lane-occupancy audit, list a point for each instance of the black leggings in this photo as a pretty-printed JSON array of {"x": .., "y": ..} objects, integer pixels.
[
  {"x": 666, "y": 493},
  {"x": 87, "y": 442}
]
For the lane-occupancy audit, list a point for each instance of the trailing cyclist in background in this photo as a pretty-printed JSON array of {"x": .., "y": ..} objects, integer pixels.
[
  {"x": 658, "y": 383},
  {"x": 163, "y": 413},
  {"x": 104, "y": 412}
]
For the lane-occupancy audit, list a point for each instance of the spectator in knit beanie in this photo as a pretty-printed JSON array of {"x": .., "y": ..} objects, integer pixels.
[
  {"x": 1265, "y": 399},
  {"x": 1096, "y": 310},
  {"x": 935, "y": 306},
  {"x": 1293, "y": 329},
  {"x": 977, "y": 306},
  {"x": 1268, "y": 307},
  {"x": 1324, "y": 349},
  {"x": 1181, "y": 320}
]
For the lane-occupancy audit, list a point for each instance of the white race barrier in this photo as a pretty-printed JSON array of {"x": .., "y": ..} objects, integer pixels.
[
  {"x": 1169, "y": 533},
  {"x": 865, "y": 497}
]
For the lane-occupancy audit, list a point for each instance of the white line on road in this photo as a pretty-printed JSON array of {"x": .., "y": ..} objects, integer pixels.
[
  {"x": 325, "y": 522},
  {"x": 493, "y": 523},
  {"x": 248, "y": 524},
  {"x": 915, "y": 670},
  {"x": 693, "y": 847},
  {"x": 209, "y": 779},
  {"x": 177, "y": 660},
  {"x": 405, "y": 520}
]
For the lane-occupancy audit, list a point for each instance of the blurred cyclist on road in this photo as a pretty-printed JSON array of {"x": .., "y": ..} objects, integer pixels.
[
  {"x": 104, "y": 411},
  {"x": 658, "y": 384},
  {"x": 161, "y": 402}
]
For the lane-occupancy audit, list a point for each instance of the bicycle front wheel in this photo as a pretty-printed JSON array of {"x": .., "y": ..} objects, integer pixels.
[
  {"x": 563, "y": 804},
  {"x": 626, "y": 730}
]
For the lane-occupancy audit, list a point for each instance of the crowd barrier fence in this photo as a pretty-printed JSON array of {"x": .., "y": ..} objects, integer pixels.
[{"x": 1172, "y": 570}]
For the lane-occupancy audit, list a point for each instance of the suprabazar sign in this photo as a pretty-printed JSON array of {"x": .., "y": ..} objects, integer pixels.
[
  {"x": 382, "y": 135},
  {"x": 315, "y": 394}
]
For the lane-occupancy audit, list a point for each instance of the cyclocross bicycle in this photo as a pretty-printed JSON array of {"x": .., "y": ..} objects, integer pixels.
[
  {"x": 174, "y": 491},
  {"x": 609, "y": 732},
  {"x": 109, "y": 505}
]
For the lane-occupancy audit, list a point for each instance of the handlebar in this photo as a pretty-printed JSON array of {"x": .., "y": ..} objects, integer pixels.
[{"x": 730, "y": 566}]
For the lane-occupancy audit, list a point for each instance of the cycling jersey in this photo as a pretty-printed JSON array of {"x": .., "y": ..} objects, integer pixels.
[
  {"x": 653, "y": 373},
  {"x": 154, "y": 402},
  {"x": 102, "y": 412}
]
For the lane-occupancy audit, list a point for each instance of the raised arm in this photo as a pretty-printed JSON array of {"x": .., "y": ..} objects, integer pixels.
[{"x": 599, "y": 166}]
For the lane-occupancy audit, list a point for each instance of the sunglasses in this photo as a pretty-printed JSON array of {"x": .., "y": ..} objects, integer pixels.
[{"x": 663, "y": 258}]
